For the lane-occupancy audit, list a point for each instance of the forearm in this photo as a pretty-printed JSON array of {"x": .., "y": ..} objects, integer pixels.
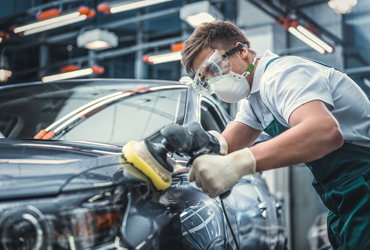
[
  {"x": 239, "y": 135},
  {"x": 305, "y": 142}
]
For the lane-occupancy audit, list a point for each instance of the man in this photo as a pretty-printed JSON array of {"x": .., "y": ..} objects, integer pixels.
[{"x": 315, "y": 114}]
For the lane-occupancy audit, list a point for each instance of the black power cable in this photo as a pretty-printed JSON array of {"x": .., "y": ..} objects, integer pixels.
[{"x": 228, "y": 222}]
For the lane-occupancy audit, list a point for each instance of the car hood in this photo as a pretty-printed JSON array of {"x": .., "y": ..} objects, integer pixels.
[{"x": 34, "y": 168}]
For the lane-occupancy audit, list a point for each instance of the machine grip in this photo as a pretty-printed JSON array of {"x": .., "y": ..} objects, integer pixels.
[
  {"x": 223, "y": 194},
  {"x": 177, "y": 138}
]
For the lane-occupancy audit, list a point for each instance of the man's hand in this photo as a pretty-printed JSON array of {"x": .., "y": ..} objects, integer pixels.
[
  {"x": 214, "y": 173},
  {"x": 221, "y": 140}
]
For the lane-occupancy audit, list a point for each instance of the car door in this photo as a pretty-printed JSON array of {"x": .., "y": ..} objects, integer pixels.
[{"x": 254, "y": 213}]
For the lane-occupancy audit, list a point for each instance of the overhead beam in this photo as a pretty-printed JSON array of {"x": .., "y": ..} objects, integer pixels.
[
  {"x": 142, "y": 18},
  {"x": 299, "y": 13},
  {"x": 309, "y": 4},
  {"x": 358, "y": 70},
  {"x": 106, "y": 54},
  {"x": 32, "y": 10},
  {"x": 264, "y": 9},
  {"x": 111, "y": 25}
]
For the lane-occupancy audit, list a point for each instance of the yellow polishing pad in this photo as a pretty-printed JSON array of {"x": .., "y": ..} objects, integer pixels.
[
  {"x": 131, "y": 156},
  {"x": 138, "y": 174}
]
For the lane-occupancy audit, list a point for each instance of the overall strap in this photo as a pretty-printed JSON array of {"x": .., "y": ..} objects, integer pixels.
[
  {"x": 271, "y": 61},
  {"x": 258, "y": 120}
]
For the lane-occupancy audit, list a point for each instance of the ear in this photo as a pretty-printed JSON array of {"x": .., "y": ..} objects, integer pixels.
[{"x": 243, "y": 52}]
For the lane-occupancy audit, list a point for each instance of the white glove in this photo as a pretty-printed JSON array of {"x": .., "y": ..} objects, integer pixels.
[
  {"x": 223, "y": 143},
  {"x": 215, "y": 173}
]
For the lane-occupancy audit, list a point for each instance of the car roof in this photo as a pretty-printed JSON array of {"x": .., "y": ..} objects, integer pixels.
[{"x": 147, "y": 82}]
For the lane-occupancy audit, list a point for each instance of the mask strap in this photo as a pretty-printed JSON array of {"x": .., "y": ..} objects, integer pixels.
[{"x": 251, "y": 67}]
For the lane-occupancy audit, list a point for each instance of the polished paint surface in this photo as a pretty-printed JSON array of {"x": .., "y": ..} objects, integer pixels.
[{"x": 81, "y": 195}]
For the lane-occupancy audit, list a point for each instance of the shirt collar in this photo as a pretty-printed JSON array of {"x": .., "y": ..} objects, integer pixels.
[{"x": 260, "y": 69}]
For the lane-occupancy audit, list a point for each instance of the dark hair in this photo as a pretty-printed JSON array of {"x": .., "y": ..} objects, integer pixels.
[{"x": 216, "y": 35}]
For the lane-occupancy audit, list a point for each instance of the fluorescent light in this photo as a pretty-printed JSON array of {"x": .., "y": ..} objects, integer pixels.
[
  {"x": 168, "y": 87},
  {"x": 68, "y": 75},
  {"x": 134, "y": 5},
  {"x": 198, "y": 19},
  {"x": 46, "y": 22},
  {"x": 306, "y": 40},
  {"x": 1, "y": 39},
  {"x": 165, "y": 57},
  {"x": 70, "y": 17},
  {"x": 55, "y": 25},
  {"x": 314, "y": 38}
]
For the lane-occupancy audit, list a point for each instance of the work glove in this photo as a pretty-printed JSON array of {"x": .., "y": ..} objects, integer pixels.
[
  {"x": 216, "y": 173},
  {"x": 223, "y": 143}
]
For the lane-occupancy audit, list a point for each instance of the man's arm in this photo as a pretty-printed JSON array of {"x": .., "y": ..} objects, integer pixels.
[
  {"x": 239, "y": 135},
  {"x": 314, "y": 133}
]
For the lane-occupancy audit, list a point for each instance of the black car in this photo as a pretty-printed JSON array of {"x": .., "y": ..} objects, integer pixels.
[{"x": 65, "y": 185}]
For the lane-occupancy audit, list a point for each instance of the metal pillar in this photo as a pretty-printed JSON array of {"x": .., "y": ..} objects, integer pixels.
[
  {"x": 185, "y": 35},
  {"x": 44, "y": 59},
  {"x": 139, "y": 64},
  {"x": 91, "y": 61}
]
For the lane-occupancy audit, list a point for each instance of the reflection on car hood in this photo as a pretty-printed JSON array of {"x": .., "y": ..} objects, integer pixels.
[{"x": 34, "y": 168}]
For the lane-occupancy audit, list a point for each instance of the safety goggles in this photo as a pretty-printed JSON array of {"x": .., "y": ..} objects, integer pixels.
[{"x": 215, "y": 66}]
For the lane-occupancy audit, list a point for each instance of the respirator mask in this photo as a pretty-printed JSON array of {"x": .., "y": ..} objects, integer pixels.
[{"x": 215, "y": 76}]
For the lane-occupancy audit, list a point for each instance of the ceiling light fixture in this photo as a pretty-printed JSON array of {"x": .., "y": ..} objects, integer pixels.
[
  {"x": 53, "y": 20},
  {"x": 73, "y": 71},
  {"x": 97, "y": 39},
  {"x": 342, "y": 6},
  {"x": 167, "y": 56},
  {"x": 121, "y": 6},
  {"x": 306, "y": 35},
  {"x": 200, "y": 12},
  {"x": 306, "y": 40},
  {"x": 315, "y": 38}
]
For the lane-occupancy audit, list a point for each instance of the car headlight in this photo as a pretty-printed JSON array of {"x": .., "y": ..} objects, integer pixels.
[{"x": 74, "y": 221}]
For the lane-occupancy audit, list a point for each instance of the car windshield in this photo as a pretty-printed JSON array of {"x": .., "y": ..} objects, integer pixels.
[{"x": 112, "y": 112}]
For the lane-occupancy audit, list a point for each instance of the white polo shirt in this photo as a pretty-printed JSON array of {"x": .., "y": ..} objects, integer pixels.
[{"x": 292, "y": 81}]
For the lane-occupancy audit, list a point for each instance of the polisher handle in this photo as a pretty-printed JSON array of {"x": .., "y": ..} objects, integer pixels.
[
  {"x": 189, "y": 139},
  {"x": 223, "y": 194}
]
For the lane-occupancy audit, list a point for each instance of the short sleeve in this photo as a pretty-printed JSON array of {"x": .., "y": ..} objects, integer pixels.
[
  {"x": 245, "y": 115},
  {"x": 294, "y": 86}
]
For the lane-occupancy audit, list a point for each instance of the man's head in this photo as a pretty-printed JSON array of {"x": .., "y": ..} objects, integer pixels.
[{"x": 222, "y": 35}]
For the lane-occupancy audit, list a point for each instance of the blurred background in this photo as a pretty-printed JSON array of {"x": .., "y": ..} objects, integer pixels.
[{"x": 44, "y": 40}]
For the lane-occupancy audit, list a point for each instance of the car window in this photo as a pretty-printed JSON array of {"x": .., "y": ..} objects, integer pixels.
[
  {"x": 134, "y": 118},
  {"x": 26, "y": 110}
]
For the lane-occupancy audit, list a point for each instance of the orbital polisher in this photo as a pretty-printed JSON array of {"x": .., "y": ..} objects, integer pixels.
[{"x": 189, "y": 140}]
